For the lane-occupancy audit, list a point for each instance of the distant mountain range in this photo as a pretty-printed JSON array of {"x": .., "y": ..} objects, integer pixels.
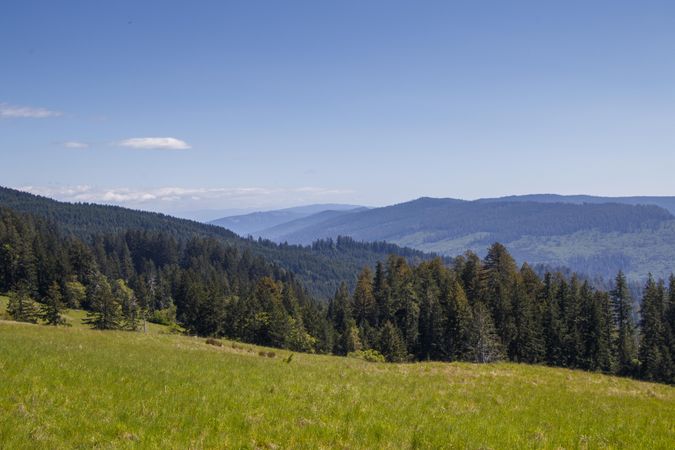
[
  {"x": 255, "y": 223},
  {"x": 594, "y": 235}
]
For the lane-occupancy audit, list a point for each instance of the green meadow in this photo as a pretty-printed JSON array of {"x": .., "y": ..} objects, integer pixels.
[{"x": 71, "y": 387}]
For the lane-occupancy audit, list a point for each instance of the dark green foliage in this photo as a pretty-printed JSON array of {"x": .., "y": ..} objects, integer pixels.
[
  {"x": 105, "y": 312},
  {"x": 52, "y": 306},
  {"x": 21, "y": 306},
  {"x": 626, "y": 340},
  {"x": 391, "y": 345},
  {"x": 656, "y": 362}
]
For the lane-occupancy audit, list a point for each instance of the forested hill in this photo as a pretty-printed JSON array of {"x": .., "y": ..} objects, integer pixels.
[
  {"x": 597, "y": 239},
  {"x": 320, "y": 267},
  {"x": 665, "y": 202}
]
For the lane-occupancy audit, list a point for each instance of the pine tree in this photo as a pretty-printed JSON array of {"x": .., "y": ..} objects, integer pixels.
[
  {"x": 21, "y": 307},
  {"x": 52, "y": 306},
  {"x": 459, "y": 323},
  {"x": 527, "y": 345},
  {"x": 351, "y": 339},
  {"x": 653, "y": 349},
  {"x": 131, "y": 311},
  {"x": 552, "y": 322},
  {"x": 105, "y": 313},
  {"x": 626, "y": 348},
  {"x": 364, "y": 307},
  {"x": 498, "y": 278},
  {"x": 485, "y": 345},
  {"x": 391, "y": 343}
]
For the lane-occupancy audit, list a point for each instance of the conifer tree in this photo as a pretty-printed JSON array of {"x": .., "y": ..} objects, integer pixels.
[
  {"x": 625, "y": 347},
  {"x": 654, "y": 355},
  {"x": 21, "y": 306},
  {"x": 527, "y": 345},
  {"x": 131, "y": 311},
  {"x": 485, "y": 345},
  {"x": 105, "y": 313},
  {"x": 364, "y": 308},
  {"x": 498, "y": 278},
  {"x": 553, "y": 324},
  {"x": 351, "y": 339},
  {"x": 52, "y": 306},
  {"x": 391, "y": 343},
  {"x": 459, "y": 323}
]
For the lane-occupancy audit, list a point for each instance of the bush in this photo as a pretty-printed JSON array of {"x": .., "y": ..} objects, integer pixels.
[
  {"x": 212, "y": 341},
  {"x": 165, "y": 316},
  {"x": 369, "y": 355}
]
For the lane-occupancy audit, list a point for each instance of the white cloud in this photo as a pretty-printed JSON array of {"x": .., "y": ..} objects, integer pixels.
[
  {"x": 8, "y": 111},
  {"x": 75, "y": 144},
  {"x": 172, "y": 197},
  {"x": 155, "y": 143}
]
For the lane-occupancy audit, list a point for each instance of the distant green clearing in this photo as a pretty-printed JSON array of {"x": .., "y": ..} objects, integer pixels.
[{"x": 77, "y": 388}]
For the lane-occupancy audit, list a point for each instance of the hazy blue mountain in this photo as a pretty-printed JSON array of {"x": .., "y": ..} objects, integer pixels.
[
  {"x": 252, "y": 223},
  {"x": 592, "y": 237},
  {"x": 664, "y": 202},
  {"x": 279, "y": 232}
]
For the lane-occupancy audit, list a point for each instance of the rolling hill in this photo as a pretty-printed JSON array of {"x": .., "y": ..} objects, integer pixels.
[
  {"x": 320, "y": 267},
  {"x": 665, "y": 202},
  {"x": 596, "y": 238},
  {"x": 78, "y": 388},
  {"x": 253, "y": 223}
]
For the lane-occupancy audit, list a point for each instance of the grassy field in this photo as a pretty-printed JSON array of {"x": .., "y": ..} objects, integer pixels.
[{"x": 77, "y": 388}]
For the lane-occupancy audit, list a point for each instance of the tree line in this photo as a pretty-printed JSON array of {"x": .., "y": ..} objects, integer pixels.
[
  {"x": 490, "y": 309},
  {"x": 471, "y": 309}
]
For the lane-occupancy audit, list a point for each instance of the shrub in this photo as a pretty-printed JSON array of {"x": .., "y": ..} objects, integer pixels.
[{"x": 369, "y": 355}]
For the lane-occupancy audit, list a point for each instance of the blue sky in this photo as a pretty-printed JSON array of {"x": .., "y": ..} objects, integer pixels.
[{"x": 179, "y": 106}]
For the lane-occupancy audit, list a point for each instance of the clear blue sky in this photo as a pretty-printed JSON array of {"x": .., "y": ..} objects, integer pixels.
[{"x": 280, "y": 103}]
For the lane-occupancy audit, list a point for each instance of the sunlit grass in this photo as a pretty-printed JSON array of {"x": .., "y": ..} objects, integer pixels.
[{"x": 73, "y": 387}]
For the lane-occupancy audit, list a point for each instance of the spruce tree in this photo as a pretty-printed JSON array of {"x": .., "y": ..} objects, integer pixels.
[
  {"x": 364, "y": 307},
  {"x": 131, "y": 311},
  {"x": 498, "y": 278},
  {"x": 52, "y": 306},
  {"x": 391, "y": 343},
  {"x": 653, "y": 352},
  {"x": 552, "y": 322},
  {"x": 21, "y": 306},
  {"x": 527, "y": 345},
  {"x": 484, "y": 344},
  {"x": 625, "y": 347},
  {"x": 459, "y": 323},
  {"x": 105, "y": 313}
]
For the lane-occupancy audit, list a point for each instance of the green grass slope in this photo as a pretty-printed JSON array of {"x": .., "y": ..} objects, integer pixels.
[{"x": 77, "y": 388}]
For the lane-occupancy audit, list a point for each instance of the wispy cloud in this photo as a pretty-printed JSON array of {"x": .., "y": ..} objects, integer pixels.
[
  {"x": 169, "y": 198},
  {"x": 75, "y": 144},
  {"x": 155, "y": 143},
  {"x": 8, "y": 111}
]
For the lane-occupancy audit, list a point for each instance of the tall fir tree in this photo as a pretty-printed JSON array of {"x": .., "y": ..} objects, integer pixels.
[
  {"x": 105, "y": 312},
  {"x": 484, "y": 342},
  {"x": 21, "y": 306},
  {"x": 626, "y": 343},
  {"x": 53, "y": 306},
  {"x": 392, "y": 345},
  {"x": 654, "y": 354}
]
